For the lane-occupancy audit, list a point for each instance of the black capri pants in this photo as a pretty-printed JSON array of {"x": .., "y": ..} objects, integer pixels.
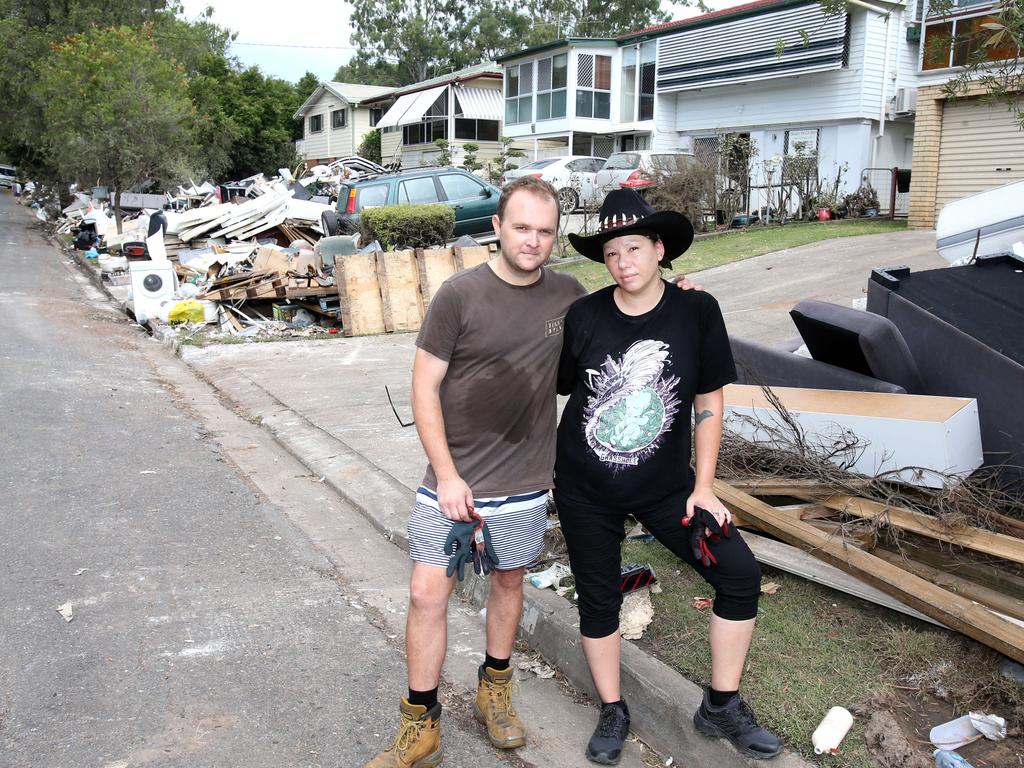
[{"x": 594, "y": 536}]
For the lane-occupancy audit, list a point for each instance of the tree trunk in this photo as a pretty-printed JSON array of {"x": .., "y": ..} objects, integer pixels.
[{"x": 117, "y": 208}]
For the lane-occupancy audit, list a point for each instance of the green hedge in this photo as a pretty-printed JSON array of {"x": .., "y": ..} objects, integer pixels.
[{"x": 408, "y": 226}]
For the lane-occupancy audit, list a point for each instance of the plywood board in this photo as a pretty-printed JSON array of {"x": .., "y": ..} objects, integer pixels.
[
  {"x": 362, "y": 310},
  {"x": 400, "y": 290},
  {"x": 882, "y": 405},
  {"x": 470, "y": 257},
  {"x": 435, "y": 265}
]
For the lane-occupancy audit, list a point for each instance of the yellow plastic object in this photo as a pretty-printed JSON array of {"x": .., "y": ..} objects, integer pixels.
[{"x": 188, "y": 311}]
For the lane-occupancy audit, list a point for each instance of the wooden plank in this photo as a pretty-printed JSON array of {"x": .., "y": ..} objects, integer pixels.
[
  {"x": 994, "y": 574},
  {"x": 792, "y": 560},
  {"x": 435, "y": 265},
  {"x": 955, "y": 611},
  {"x": 981, "y": 594},
  {"x": 470, "y": 257},
  {"x": 400, "y": 290},
  {"x": 299, "y": 292},
  {"x": 769, "y": 486},
  {"x": 997, "y": 544},
  {"x": 362, "y": 310}
]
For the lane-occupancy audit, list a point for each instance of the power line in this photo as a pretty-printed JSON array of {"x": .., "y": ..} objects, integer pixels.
[{"x": 297, "y": 45}]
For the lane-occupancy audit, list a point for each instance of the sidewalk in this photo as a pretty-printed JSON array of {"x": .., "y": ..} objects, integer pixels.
[{"x": 325, "y": 403}]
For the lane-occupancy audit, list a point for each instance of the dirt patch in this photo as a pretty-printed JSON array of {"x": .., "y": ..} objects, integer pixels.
[{"x": 889, "y": 745}]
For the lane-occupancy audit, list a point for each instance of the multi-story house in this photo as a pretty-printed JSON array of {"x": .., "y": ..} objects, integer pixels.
[
  {"x": 968, "y": 144},
  {"x": 335, "y": 118},
  {"x": 461, "y": 107},
  {"x": 781, "y": 72}
]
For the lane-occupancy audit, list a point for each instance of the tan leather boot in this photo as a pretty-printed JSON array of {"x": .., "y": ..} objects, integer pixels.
[
  {"x": 418, "y": 743},
  {"x": 494, "y": 709}
]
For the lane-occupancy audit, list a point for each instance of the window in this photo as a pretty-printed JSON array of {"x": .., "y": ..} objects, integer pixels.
[
  {"x": 585, "y": 165},
  {"x": 375, "y": 195},
  {"x": 316, "y": 123},
  {"x": 418, "y": 191},
  {"x": 593, "y": 86},
  {"x": 459, "y": 187},
  {"x": 519, "y": 93},
  {"x": 960, "y": 42},
  {"x": 433, "y": 125},
  {"x": 622, "y": 161},
  {"x": 339, "y": 118},
  {"x": 551, "y": 86},
  {"x": 476, "y": 130},
  {"x": 376, "y": 113},
  {"x": 638, "y": 69}
]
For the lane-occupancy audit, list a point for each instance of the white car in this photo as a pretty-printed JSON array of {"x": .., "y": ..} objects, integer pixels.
[
  {"x": 572, "y": 176},
  {"x": 636, "y": 170}
]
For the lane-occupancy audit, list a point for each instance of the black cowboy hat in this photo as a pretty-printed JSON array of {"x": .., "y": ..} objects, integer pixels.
[{"x": 624, "y": 211}]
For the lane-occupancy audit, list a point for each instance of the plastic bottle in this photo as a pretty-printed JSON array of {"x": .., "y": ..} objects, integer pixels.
[
  {"x": 947, "y": 759},
  {"x": 831, "y": 731}
]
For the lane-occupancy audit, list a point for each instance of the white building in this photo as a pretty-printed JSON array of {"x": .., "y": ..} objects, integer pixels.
[
  {"x": 778, "y": 71},
  {"x": 335, "y": 118}
]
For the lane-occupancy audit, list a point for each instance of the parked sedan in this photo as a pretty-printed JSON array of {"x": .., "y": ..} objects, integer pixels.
[
  {"x": 572, "y": 176},
  {"x": 636, "y": 170}
]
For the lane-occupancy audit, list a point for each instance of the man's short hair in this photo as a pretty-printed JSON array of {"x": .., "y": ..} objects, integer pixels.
[{"x": 530, "y": 184}]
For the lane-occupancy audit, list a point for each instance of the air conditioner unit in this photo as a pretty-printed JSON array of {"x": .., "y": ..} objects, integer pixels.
[
  {"x": 153, "y": 283},
  {"x": 906, "y": 101}
]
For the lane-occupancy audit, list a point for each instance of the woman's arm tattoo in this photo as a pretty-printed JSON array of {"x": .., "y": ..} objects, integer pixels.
[{"x": 705, "y": 414}]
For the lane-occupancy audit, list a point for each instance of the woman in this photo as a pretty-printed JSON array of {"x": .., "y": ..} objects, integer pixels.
[{"x": 635, "y": 359}]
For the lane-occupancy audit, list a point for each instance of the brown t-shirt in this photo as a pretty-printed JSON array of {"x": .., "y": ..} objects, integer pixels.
[{"x": 502, "y": 343}]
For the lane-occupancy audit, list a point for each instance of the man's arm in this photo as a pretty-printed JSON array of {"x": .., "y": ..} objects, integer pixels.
[
  {"x": 454, "y": 497},
  {"x": 707, "y": 438}
]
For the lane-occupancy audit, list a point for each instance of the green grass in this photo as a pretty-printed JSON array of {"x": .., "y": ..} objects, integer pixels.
[
  {"x": 743, "y": 244},
  {"x": 815, "y": 648}
]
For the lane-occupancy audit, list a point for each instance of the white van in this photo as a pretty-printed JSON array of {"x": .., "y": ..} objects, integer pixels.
[{"x": 8, "y": 174}]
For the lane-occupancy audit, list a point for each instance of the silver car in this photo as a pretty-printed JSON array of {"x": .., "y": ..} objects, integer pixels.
[
  {"x": 635, "y": 170},
  {"x": 572, "y": 176}
]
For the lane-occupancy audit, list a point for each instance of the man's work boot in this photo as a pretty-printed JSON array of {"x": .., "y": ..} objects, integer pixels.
[
  {"x": 418, "y": 743},
  {"x": 735, "y": 721},
  {"x": 493, "y": 708}
]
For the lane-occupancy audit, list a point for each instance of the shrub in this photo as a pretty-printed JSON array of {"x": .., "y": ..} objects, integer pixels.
[
  {"x": 858, "y": 202},
  {"x": 369, "y": 147},
  {"x": 408, "y": 226},
  {"x": 684, "y": 185}
]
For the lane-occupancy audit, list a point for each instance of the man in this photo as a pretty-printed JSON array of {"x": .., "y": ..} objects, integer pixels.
[{"x": 483, "y": 399}]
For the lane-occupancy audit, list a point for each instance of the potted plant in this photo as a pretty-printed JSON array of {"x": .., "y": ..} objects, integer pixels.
[{"x": 863, "y": 202}]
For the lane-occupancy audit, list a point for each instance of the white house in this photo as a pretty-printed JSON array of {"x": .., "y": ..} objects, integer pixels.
[
  {"x": 779, "y": 71},
  {"x": 968, "y": 145},
  {"x": 335, "y": 118},
  {"x": 462, "y": 107}
]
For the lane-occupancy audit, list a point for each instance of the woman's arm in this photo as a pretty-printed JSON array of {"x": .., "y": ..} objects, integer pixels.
[{"x": 707, "y": 438}]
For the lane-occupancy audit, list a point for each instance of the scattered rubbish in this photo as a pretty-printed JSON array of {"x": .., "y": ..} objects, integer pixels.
[
  {"x": 831, "y": 731},
  {"x": 769, "y": 588},
  {"x": 670, "y": 761},
  {"x": 543, "y": 671},
  {"x": 636, "y": 613},
  {"x": 80, "y": 571},
  {"x": 66, "y": 611},
  {"x": 148, "y": 471},
  {"x": 967, "y": 729},
  {"x": 947, "y": 759},
  {"x": 639, "y": 533},
  {"x": 550, "y": 577},
  {"x": 701, "y": 603},
  {"x": 636, "y": 576},
  {"x": 187, "y": 311}
]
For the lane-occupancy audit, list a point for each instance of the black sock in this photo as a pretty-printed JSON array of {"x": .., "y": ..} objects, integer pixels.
[
  {"x": 498, "y": 665},
  {"x": 720, "y": 698},
  {"x": 618, "y": 703},
  {"x": 423, "y": 698}
]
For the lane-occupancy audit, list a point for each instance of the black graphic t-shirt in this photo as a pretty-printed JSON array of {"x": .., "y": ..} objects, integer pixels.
[{"x": 624, "y": 436}]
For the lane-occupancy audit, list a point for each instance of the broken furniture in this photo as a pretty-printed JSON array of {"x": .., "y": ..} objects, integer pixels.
[
  {"x": 989, "y": 222},
  {"x": 964, "y": 327},
  {"x": 849, "y": 349},
  {"x": 913, "y": 438}
]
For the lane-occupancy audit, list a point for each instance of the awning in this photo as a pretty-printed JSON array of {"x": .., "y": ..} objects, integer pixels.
[
  {"x": 410, "y": 107},
  {"x": 480, "y": 103}
]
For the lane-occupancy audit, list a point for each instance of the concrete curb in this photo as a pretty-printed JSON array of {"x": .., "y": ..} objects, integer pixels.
[{"x": 661, "y": 701}]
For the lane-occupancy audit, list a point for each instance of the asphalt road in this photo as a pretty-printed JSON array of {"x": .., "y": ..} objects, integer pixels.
[{"x": 205, "y": 630}]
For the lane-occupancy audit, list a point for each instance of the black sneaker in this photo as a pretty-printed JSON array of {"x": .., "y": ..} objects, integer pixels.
[
  {"x": 735, "y": 721},
  {"x": 605, "y": 745}
]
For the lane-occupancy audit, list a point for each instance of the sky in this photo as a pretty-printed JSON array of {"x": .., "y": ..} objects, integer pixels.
[{"x": 287, "y": 39}]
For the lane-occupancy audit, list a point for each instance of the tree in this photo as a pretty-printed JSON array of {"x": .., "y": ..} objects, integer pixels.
[
  {"x": 115, "y": 111},
  {"x": 369, "y": 147}
]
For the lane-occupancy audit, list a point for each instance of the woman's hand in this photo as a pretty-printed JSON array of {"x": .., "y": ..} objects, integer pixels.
[{"x": 706, "y": 499}]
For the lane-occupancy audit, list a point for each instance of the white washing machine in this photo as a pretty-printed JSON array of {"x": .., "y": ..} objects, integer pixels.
[{"x": 153, "y": 283}]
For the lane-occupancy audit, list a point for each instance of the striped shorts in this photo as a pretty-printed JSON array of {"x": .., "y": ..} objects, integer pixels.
[{"x": 516, "y": 524}]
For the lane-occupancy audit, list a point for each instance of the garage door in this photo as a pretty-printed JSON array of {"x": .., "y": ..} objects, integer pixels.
[{"x": 982, "y": 147}]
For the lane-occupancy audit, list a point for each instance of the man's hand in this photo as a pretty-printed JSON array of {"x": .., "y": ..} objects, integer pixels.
[
  {"x": 684, "y": 283},
  {"x": 455, "y": 499}
]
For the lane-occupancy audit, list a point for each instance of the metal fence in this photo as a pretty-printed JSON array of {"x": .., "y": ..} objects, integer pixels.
[{"x": 893, "y": 188}]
